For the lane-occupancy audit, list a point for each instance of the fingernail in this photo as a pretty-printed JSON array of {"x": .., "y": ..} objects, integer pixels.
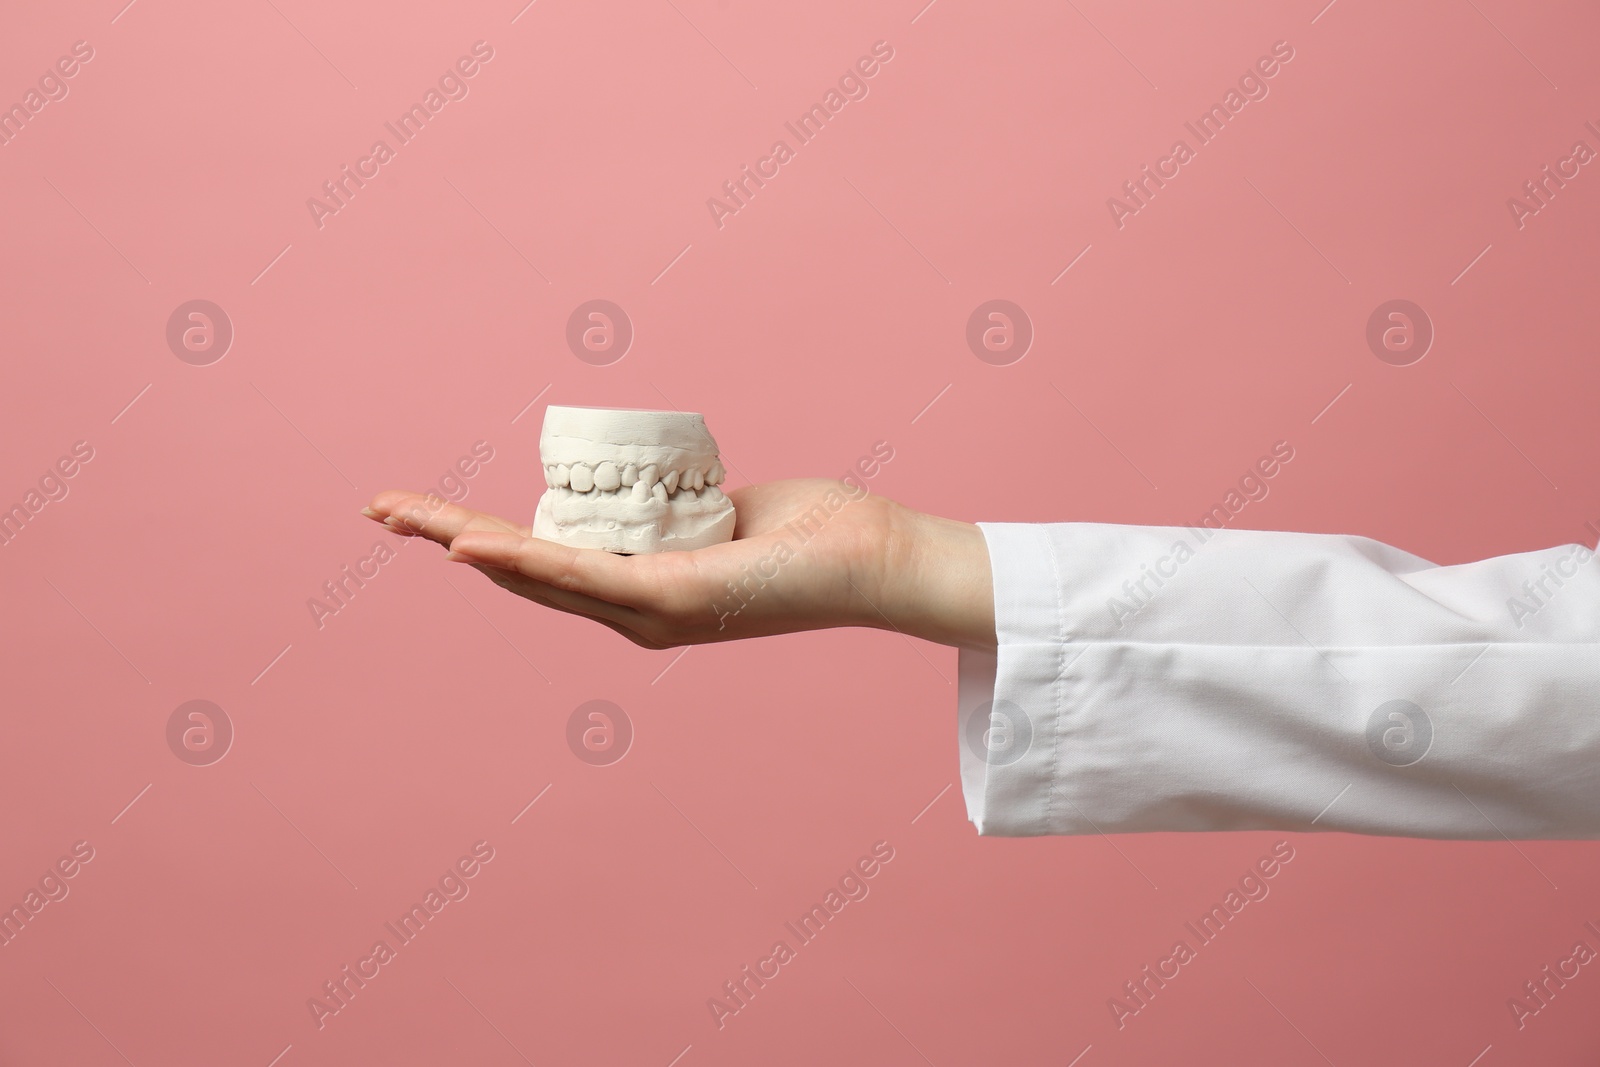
[
  {"x": 461, "y": 557},
  {"x": 369, "y": 513}
]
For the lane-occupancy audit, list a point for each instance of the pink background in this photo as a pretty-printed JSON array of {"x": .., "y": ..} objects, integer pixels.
[{"x": 370, "y": 753}]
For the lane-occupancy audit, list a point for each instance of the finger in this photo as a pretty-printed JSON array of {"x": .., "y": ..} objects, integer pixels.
[
  {"x": 568, "y": 603},
  {"x": 630, "y": 581},
  {"x": 561, "y": 599},
  {"x": 433, "y": 518}
]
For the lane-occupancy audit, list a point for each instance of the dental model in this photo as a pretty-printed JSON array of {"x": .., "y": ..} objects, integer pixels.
[{"x": 630, "y": 481}]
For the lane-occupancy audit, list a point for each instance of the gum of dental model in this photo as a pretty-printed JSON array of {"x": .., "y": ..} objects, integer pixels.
[{"x": 630, "y": 481}]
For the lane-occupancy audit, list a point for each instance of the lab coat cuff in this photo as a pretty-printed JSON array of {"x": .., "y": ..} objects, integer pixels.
[{"x": 1010, "y": 698}]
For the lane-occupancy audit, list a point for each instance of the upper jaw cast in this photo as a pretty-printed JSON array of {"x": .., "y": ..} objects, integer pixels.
[{"x": 631, "y": 481}]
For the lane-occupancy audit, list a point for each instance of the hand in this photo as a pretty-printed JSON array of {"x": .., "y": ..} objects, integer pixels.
[{"x": 806, "y": 554}]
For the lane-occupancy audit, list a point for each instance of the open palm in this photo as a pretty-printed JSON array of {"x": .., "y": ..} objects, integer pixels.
[{"x": 806, "y": 553}]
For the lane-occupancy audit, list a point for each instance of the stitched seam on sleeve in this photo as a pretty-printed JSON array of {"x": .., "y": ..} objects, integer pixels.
[{"x": 1061, "y": 671}]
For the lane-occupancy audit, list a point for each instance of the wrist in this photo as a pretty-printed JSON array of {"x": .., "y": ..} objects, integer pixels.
[{"x": 939, "y": 584}]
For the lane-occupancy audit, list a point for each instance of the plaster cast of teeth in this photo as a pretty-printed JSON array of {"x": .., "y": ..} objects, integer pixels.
[{"x": 630, "y": 481}]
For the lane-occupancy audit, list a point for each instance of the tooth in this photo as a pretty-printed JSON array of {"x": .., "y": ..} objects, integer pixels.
[{"x": 620, "y": 475}]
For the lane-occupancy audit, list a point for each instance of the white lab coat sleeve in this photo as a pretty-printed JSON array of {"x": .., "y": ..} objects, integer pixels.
[{"x": 1151, "y": 678}]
